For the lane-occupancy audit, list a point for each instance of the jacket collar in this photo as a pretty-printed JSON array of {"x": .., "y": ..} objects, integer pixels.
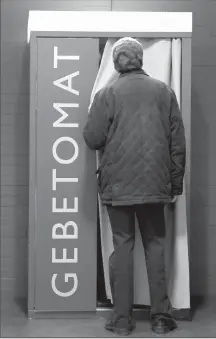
[{"x": 133, "y": 71}]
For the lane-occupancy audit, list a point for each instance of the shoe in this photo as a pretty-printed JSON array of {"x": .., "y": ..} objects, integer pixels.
[
  {"x": 120, "y": 326},
  {"x": 162, "y": 323},
  {"x": 110, "y": 324}
]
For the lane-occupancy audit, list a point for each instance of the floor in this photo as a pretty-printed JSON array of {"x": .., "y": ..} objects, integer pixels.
[{"x": 15, "y": 324}]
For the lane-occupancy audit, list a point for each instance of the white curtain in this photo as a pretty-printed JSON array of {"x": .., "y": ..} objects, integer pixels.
[{"x": 161, "y": 60}]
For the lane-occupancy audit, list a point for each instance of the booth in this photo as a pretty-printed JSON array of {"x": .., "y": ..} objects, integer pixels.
[{"x": 70, "y": 60}]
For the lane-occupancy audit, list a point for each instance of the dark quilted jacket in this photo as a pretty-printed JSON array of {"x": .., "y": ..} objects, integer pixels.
[{"x": 137, "y": 124}]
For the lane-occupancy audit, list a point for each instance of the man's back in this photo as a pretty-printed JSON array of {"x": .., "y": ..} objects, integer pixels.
[
  {"x": 137, "y": 124},
  {"x": 140, "y": 116}
]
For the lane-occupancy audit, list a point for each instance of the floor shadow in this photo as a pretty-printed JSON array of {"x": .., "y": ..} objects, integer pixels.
[{"x": 22, "y": 305}]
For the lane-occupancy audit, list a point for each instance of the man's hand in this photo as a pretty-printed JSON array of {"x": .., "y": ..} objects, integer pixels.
[{"x": 174, "y": 199}]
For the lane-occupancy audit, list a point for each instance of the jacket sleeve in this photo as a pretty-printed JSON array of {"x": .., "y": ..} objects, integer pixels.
[
  {"x": 99, "y": 120},
  {"x": 177, "y": 147}
]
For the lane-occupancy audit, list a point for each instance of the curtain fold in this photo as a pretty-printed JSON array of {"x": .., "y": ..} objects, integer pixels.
[{"x": 161, "y": 60}]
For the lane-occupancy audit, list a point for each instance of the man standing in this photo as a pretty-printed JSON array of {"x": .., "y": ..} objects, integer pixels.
[{"x": 137, "y": 124}]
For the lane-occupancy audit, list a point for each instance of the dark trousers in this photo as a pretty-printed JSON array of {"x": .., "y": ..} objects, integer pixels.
[{"x": 152, "y": 228}]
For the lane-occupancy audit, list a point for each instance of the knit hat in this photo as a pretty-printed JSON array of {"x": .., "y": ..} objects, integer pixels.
[{"x": 127, "y": 54}]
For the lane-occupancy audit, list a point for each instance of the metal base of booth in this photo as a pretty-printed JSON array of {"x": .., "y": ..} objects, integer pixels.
[{"x": 139, "y": 314}]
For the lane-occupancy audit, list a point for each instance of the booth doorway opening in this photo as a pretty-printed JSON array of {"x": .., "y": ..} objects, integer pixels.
[{"x": 162, "y": 60}]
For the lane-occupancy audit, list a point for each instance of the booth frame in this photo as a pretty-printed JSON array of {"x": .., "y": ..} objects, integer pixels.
[{"x": 186, "y": 38}]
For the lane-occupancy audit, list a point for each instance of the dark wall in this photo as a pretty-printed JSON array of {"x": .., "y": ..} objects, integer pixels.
[{"x": 14, "y": 134}]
